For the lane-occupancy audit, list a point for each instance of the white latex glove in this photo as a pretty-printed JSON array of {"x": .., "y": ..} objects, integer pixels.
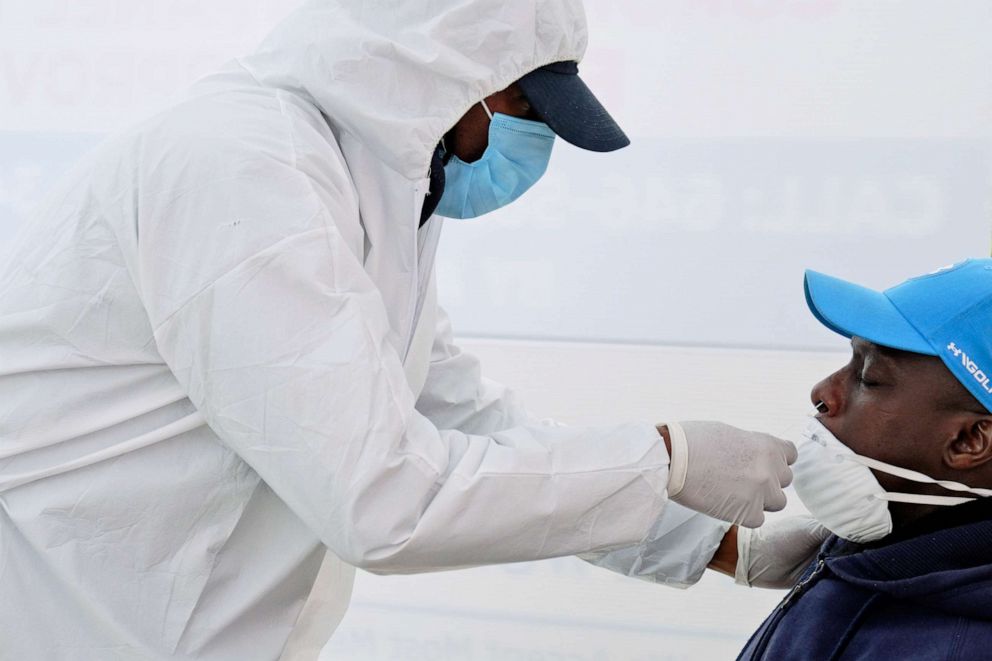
[
  {"x": 728, "y": 473},
  {"x": 775, "y": 555}
]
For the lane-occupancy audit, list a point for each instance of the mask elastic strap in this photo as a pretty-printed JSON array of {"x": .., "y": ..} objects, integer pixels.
[
  {"x": 916, "y": 476},
  {"x": 920, "y": 499},
  {"x": 486, "y": 108}
]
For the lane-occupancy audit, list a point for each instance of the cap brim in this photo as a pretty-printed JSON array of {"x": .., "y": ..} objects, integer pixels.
[
  {"x": 852, "y": 310},
  {"x": 568, "y": 106}
]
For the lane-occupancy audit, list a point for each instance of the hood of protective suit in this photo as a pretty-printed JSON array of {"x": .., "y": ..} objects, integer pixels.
[{"x": 397, "y": 75}]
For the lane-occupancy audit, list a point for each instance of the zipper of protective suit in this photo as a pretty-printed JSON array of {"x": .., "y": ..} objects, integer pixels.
[{"x": 427, "y": 245}]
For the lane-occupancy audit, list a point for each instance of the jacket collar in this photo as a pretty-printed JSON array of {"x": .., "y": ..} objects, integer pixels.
[{"x": 943, "y": 559}]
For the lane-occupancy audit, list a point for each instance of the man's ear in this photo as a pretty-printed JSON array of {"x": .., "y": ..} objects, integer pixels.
[{"x": 972, "y": 447}]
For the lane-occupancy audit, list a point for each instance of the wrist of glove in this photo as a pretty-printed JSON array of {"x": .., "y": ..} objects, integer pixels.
[
  {"x": 728, "y": 473},
  {"x": 678, "y": 460},
  {"x": 776, "y": 554}
]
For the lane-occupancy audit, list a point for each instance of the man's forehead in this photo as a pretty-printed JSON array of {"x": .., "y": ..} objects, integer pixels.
[{"x": 865, "y": 347}]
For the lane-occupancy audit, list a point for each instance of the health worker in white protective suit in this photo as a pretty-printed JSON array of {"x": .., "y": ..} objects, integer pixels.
[{"x": 225, "y": 381}]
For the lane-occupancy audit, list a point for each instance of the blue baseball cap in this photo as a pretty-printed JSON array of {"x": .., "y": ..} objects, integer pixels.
[
  {"x": 566, "y": 104},
  {"x": 947, "y": 313}
]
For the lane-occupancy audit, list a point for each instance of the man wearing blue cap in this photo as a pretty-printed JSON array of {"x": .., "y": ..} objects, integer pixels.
[{"x": 898, "y": 464}]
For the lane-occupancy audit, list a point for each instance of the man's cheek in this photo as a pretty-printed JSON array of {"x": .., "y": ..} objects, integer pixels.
[{"x": 854, "y": 437}]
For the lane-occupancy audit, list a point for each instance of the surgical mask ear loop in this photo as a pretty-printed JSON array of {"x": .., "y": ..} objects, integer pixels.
[
  {"x": 488, "y": 112},
  {"x": 486, "y": 108}
]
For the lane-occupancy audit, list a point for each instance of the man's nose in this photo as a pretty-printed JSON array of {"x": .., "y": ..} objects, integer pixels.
[{"x": 827, "y": 396}]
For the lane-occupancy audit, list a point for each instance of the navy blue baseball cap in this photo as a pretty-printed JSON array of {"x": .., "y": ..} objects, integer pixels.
[
  {"x": 563, "y": 101},
  {"x": 947, "y": 313}
]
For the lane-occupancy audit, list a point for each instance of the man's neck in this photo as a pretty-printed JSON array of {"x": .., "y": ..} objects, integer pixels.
[
  {"x": 906, "y": 514},
  {"x": 917, "y": 520}
]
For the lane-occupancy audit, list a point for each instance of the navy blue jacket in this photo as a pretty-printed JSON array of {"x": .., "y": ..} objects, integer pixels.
[{"x": 922, "y": 593}]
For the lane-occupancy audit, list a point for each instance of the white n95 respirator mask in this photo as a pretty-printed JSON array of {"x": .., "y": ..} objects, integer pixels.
[{"x": 840, "y": 491}]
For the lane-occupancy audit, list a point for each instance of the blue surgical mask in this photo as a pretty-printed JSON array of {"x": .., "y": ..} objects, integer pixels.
[{"x": 517, "y": 156}]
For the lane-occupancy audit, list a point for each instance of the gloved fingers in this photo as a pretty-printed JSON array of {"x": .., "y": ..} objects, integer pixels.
[
  {"x": 780, "y": 455},
  {"x": 775, "y": 500},
  {"x": 816, "y": 532},
  {"x": 786, "y": 449},
  {"x": 805, "y": 526},
  {"x": 784, "y": 476},
  {"x": 731, "y": 474},
  {"x": 790, "y": 452},
  {"x": 753, "y": 518},
  {"x": 778, "y": 553}
]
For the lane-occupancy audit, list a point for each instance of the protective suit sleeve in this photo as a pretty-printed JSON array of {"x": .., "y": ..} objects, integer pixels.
[
  {"x": 680, "y": 543},
  {"x": 281, "y": 340},
  {"x": 675, "y": 553},
  {"x": 457, "y": 396}
]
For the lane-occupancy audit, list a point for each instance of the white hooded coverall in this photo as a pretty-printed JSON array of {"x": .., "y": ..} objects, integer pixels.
[{"x": 218, "y": 360}]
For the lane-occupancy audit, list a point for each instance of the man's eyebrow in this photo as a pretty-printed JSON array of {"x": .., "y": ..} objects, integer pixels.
[
  {"x": 861, "y": 347},
  {"x": 893, "y": 361},
  {"x": 889, "y": 355},
  {"x": 876, "y": 353}
]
